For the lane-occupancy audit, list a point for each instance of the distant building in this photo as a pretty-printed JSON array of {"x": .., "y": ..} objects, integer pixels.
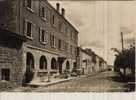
[
  {"x": 89, "y": 62},
  {"x": 50, "y": 44}
]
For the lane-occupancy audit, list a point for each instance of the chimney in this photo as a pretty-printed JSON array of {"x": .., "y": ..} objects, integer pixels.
[
  {"x": 63, "y": 12},
  {"x": 58, "y": 7}
]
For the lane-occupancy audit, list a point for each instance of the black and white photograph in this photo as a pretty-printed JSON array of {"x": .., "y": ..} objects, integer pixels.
[{"x": 67, "y": 46}]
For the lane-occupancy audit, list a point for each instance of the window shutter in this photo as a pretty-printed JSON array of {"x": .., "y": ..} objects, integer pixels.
[
  {"x": 40, "y": 34},
  {"x": 25, "y": 27},
  {"x": 33, "y": 30},
  {"x": 45, "y": 36}
]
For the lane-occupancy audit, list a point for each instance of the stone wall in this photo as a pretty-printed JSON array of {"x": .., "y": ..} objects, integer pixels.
[
  {"x": 8, "y": 15},
  {"x": 11, "y": 56}
]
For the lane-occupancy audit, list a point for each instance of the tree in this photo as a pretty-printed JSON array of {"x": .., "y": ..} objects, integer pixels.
[{"x": 125, "y": 59}]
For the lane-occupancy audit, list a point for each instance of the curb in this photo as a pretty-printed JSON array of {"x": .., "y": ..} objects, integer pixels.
[{"x": 49, "y": 84}]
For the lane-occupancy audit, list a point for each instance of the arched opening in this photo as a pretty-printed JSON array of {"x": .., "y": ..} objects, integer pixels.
[
  {"x": 29, "y": 67},
  {"x": 67, "y": 65},
  {"x": 53, "y": 63},
  {"x": 30, "y": 60},
  {"x": 43, "y": 62}
]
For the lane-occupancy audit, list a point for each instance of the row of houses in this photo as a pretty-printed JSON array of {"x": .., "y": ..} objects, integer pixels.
[
  {"x": 89, "y": 62},
  {"x": 36, "y": 40}
]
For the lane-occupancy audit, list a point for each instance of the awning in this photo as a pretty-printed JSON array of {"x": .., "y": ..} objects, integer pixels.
[{"x": 12, "y": 34}]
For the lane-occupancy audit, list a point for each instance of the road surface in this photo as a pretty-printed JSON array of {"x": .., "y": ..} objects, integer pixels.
[{"x": 102, "y": 82}]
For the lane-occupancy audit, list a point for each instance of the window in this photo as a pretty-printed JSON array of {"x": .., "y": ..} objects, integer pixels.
[
  {"x": 67, "y": 65},
  {"x": 59, "y": 44},
  {"x": 61, "y": 27},
  {"x": 71, "y": 35},
  {"x": 42, "y": 13},
  {"x": 53, "y": 19},
  {"x": 5, "y": 74},
  {"x": 66, "y": 47},
  {"x": 71, "y": 49},
  {"x": 67, "y": 31},
  {"x": 43, "y": 36},
  {"x": 29, "y": 3},
  {"x": 52, "y": 40},
  {"x": 65, "y": 28},
  {"x": 76, "y": 38},
  {"x": 29, "y": 29}
]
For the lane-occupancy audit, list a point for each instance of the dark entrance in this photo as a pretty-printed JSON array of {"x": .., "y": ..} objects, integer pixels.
[
  {"x": 43, "y": 62},
  {"x": 29, "y": 68},
  {"x": 67, "y": 65},
  {"x": 60, "y": 61},
  {"x": 53, "y": 64},
  {"x": 5, "y": 74}
]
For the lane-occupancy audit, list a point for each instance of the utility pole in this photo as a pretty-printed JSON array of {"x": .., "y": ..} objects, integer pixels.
[{"x": 122, "y": 41}]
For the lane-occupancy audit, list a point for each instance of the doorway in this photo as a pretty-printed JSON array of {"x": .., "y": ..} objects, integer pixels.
[{"x": 29, "y": 68}]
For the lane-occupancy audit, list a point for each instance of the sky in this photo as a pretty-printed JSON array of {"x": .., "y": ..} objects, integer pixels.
[{"x": 100, "y": 22}]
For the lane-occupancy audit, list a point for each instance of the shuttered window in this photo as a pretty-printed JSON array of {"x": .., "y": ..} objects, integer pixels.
[
  {"x": 42, "y": 12},
  {"x": 52, "y": 40},
  {"x": 59, "y": 44},
  {"x": 43, "y": 36},
  {"x": 29, "y": 29},
  {"x": 53, "y": 20}
]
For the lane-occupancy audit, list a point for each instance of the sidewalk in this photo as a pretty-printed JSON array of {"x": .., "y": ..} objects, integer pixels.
[
  {"x": 36, "y": 84},
  {"x": 53, "y": 81},
  {"x": 57, "y": 80}
]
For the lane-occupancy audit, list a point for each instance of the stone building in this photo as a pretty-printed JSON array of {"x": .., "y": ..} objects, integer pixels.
[
  {"x": 51, "y": 41},
  {"x": 88, "y": 62},
  {"x": 10, "y": 56},
  {"x": 85, "y": 61}
]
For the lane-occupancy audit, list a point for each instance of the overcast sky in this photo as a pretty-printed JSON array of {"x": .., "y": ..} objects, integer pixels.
[{"x": 100, "y": 23}]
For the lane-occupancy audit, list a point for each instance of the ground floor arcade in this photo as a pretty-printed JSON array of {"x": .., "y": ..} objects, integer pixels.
[{"x": 42, "y": 64}]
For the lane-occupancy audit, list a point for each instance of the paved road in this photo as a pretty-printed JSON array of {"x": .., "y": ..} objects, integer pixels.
[{"x": 102, "y": 82}]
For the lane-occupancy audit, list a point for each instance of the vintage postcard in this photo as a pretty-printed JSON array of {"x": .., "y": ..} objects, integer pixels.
[{"x": 67, "y": 46}]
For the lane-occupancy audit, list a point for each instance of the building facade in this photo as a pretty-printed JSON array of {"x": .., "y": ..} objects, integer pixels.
[
  {"x": 11, "y": 56},
  {"x": 51, "y": 41},
  {"x": 88, "y": 62}
]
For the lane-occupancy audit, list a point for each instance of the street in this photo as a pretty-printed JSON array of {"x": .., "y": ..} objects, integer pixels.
[{"x": 102, "y": 82}]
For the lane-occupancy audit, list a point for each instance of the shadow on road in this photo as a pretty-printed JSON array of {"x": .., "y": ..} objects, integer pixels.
[{"x": 128, "y": 81}]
